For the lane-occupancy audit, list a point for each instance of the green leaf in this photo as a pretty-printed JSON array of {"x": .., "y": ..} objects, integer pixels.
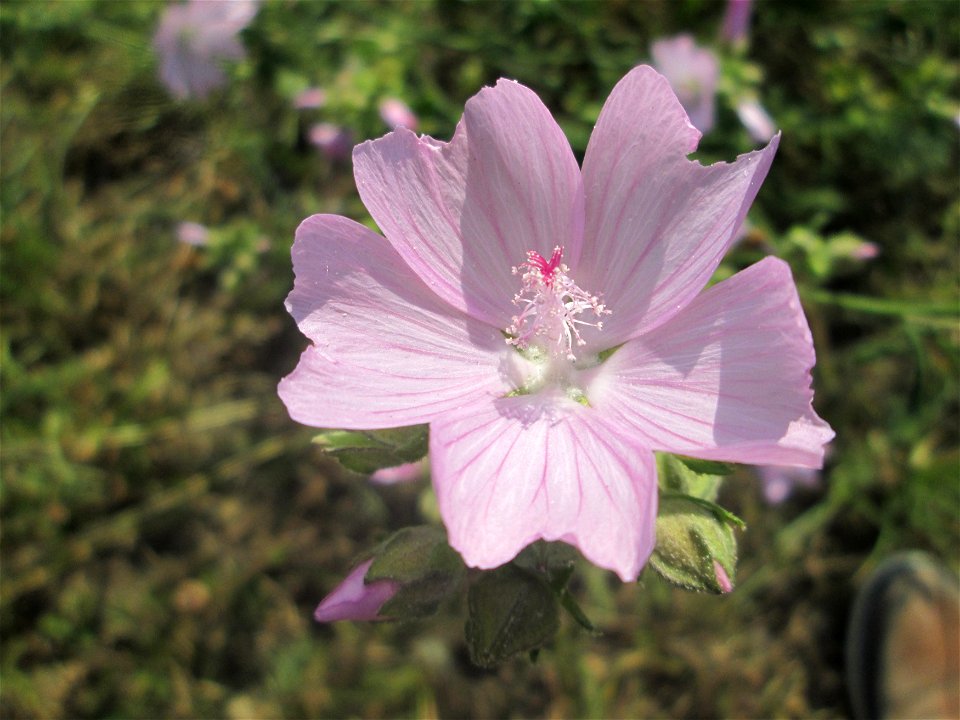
[
  {"x": 510, "y": 611},
  {"x": 365, "y": 451}
]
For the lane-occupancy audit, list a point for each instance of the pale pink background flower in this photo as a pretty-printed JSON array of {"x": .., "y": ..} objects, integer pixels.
[
  {"x": 780, "y": 482},
  {"x": 756, "y": 120},
  {"x": 310, "y": 99},
  {"x": 409, "y": 328},
  {"x": 396, "y": 113},
  {"x": 865, "y": 251},
  {"x": 333, "y": 141},
  {"x": 355, "y": 600},
  {"x": 193, "y": 233},
  {"x": 693, "y": 73},
  {"x": 194, "y": 38},
  {"x": 736, "y": 20}
]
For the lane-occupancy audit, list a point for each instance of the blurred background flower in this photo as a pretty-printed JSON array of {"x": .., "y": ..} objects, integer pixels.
[
  {"x": 310, "y": 99},
  {"x": 332, "y": 140},
  {"x": 693, "y": 73},
  {"x": 736, "y": 21},
  {"x": 780, "y": 482},
  {"x": 194, "y": 39},
  {"x": 756, "y": 120},
  {"x": 192, "y": 233},
  {"x": 396, "y": 113}
]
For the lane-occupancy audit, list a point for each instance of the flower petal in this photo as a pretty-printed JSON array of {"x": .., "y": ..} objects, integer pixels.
[
  {"x": 657, "y": 224},
  {"x": 386, "y": 351},
  {"x": 728, "y": 378},
  {"x": 463, "y": 213},
  {"x": 543, "y": 466},
  {"x": 353, "y": 599}
]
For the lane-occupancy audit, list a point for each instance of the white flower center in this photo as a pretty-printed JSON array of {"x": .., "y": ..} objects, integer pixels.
[{"x": 550, "y": 303}]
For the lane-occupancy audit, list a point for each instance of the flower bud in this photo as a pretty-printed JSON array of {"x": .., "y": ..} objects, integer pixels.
[
  {"x": 408, "y": 577},
  {"x": 696, "y": 548},
  {"x": 355, "y": 599}
]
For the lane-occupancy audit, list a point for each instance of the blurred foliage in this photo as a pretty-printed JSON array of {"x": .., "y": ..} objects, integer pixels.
[{"x": 167, "y": 530}]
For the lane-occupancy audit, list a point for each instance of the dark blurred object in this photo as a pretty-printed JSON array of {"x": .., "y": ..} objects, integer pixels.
[{"x": 903, "y": 649}]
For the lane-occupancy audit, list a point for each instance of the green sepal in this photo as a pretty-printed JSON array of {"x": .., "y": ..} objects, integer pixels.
[
  {"x": 720, "y": 513},
  {"x": 689, "y": 476},
  {"x": 692, "y": 534},
  {"x": 365, "y": 451},
  {"x": 706, "y": 467},
  {"x": 603, "y": 355},
  {"x": 576, "y": 612},
  {"x": 426, "y": 568},
  {"x": 510, "y": 610},
  {"x": 556, "y": 560}
]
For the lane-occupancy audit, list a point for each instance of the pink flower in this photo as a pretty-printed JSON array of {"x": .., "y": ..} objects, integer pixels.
[
  {"x": 333, "y": 141},
  {"x": 396, "y": 113},
  {"x": 353, "y": 599},
  {"x": 780, "y": 482},
  {"x": 736, "y": 20},
  {"x": 865, "y": 251},
  {"x": 693, "y": 73},
  {"x": 501, "y": 262},
  {"x": 193, "y": 38},
  {"x": 310, "y": 99},
  {"x": 756, "y": 120},
  {"x": 193, "y": 233}
]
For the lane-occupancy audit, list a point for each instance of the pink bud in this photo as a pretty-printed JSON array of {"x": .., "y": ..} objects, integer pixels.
[
  {"x": 723, "y": 580},
  {"x": 408, "y": 472},
  {"x": 354, "y": 599}
]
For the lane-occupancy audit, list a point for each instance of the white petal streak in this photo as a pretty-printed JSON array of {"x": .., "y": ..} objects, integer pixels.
[
  {"x": 386, "y": 351},
  {"x": 534, "y": 467},
  {"x": 728, "y": 378}
]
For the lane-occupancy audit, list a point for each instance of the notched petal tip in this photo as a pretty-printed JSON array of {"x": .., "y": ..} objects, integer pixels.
[{"x": 646, "y": 88}]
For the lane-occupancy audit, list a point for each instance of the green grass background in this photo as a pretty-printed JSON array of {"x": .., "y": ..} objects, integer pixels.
[{"x": 167, "y": 530}]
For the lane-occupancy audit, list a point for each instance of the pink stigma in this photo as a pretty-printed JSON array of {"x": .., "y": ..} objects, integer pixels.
[
  {"x": 550, "y": 304},
  {"x": 536, "y": 261}
]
